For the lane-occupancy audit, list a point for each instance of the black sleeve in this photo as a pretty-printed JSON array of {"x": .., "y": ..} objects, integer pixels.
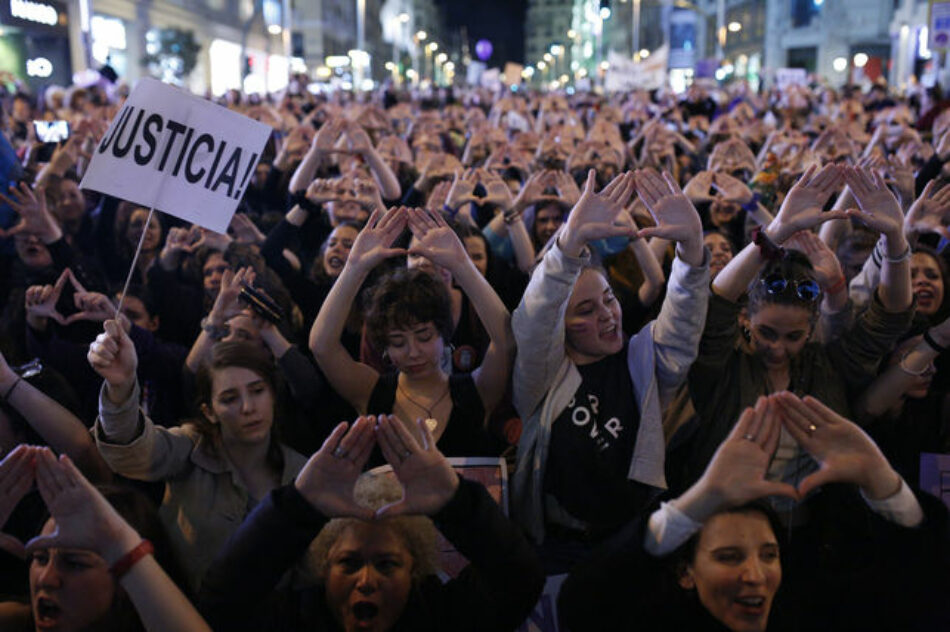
[
  {"x": 928, "y": 172},
  {"x": 504, "y": 579},
  {"x": 271, "y": 539},
  {"x": 620, "y": 582}
]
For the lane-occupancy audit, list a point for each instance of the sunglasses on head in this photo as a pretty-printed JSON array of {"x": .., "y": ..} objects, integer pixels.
[{"x": 805, "y": 289}]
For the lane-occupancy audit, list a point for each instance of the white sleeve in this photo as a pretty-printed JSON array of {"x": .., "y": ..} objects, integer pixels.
[
  {"x": 668, "y": 529},
  {"x": 901, "y": 508}
]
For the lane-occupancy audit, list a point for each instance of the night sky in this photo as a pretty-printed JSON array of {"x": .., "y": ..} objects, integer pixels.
[{"x": 500, "y": 21}]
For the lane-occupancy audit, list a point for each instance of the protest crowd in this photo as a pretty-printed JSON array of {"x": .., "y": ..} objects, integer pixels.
[{"x": 703, "y": 335}]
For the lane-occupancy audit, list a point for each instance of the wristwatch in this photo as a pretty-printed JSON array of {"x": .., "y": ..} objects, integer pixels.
[{"x": 214, "y": 331}]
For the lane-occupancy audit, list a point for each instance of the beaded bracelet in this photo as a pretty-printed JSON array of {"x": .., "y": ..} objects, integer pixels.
[{"x": 130, "y": 559}]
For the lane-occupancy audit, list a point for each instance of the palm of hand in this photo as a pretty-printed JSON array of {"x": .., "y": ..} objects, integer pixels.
[
  {"x": 826, "y": 267},
  {"x": 677, "y": 216},
  {"x": 428, "y": 481},
  {"x": 883, "y": 209},
  {"x": 441, "y": 246},
  {"x": 736, "y": 468},
  {"x": 337, "y": 477},
  {"x": 926, "y": 215}
]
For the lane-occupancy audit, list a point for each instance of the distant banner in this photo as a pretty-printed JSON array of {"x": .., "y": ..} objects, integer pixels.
[
  {"x": 175, "y": 152},
  {"x": 785, "y": 77},
  {"x": 624, "y": 74},
  {"x": 512, "y": 75}
]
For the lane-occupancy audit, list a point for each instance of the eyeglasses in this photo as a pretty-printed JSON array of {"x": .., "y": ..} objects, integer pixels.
[{"x": 805, "y": 289}]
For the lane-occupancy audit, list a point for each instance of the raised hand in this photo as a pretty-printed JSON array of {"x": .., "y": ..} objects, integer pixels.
[
  {"x": 802, "y": 207},
  {"x": 428, "y": 481},
  {"x": 177, "y": 243},
  {"x": 930, "y": 213},
  {"x": 92, "y": 306},
  {"x": 731, "y": 189},
  {"x": 358, "y": 139},
  {"x": 41, "y": 302},
  {"x": 566, "y": 186},
  {"x": 35, "y": 218},
  {"x": 736, "y": 473},
  {"x": 698, "y": 187},
  {"x": 462, "y": 189},
  {"x": 323, "y": 191},
  {"x": 112, "y": 355},
  {"x": 496, "y": 191},
  {"x": 374, "y": 243},
  {"x": 879, "y": 209},
  {"x": 84, "y": 518},
  {"x": 845, "y": 454},
  {"x": 531, "y": 192},
  {"x": 675, "y": 216},
  {"x": 227, "y": 303},
  {"x": 439, "y": 197},
  {"x": 245, "y": 230},
  {"x": 435, "y": 239},
  {"x": 595, "y": 214},
  {"x": 326, "y": 137},
  {"x": 328, "y": 478},
  {"x": 16, "y": 478},
  {"x": 825, "y": 264}
]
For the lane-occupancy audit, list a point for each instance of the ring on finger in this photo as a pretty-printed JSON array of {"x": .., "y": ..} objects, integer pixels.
[
  {"x": 748, "y": 437},
  {"x": 811, "y": 429},
  {"x": 406, "y": 454},
  {"x": 339, "y": 452}
]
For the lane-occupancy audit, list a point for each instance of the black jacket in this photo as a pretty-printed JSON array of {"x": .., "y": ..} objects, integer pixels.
[{"x": 495, "y": 592}]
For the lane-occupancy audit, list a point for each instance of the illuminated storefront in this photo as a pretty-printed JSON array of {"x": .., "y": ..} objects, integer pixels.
[{"x": 34, "y": 42}]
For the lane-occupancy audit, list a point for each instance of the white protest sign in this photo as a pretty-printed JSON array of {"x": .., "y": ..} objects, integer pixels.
[
  {"x": 785, "y": 77},
  {"x": 185, "y": 156},
  {"x": 624, "y": 74}
]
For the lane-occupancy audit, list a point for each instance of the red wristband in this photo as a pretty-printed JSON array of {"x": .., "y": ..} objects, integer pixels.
[
  {"x": 837, "y": 287},
  {"x": 130, "y": 559}
]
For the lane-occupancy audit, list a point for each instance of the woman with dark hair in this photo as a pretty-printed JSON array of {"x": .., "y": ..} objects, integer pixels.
[
  {"x": 592, "y": 450},
  {"x": 90, "y": 568},
  {"x": 216, "y": 467},
  {"x": 873, "y": 555},
  {"x": 410, "y": 317},
  {"x": 775, "y": 351}
]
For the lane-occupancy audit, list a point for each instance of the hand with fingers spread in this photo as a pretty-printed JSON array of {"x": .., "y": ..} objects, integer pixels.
[
  {"x": 92, "y": 306},
  {"x": 322, "y": 191},
  {"x": 930, "y": 213},
  {"x": 428, "y": 481},
  {"x": 497, "y": 192},
  {"x": 245, "y": 230},
  {"x": 732, "y": 189},
  {"x": 825, "y": 264},
  {"x": 327, "y": 136},
  {"x": 736, "y": 473},
  {"x": 435, "y": 240},
  {"x": 357, "y": 138},
  {"x": 675, "y": 216},
  {"x": 566, "y": 187},
  {"x": 374, "y": 244},
  {"x": 844, "y": 452},
  {"x": 84, "y": 519},
  {"x": 802, "y": 207},
  {"x": 16, "y": 479},
  {"x": 112, "y": 355},
  {"x": 879, "y": 209},
  {"x": 439, "y": 197},
  {"x": 595, "y": 214},
  {"x": 41, "y": 302},
  {"x": 177, "y": 244},
  {"x": 699, "y": 187},
  {"x": 531, "y": 192},
  {"x": 462, "y": 190},
  {"x": 328, "y": 478},
  {"x": 227, "y": 304},
  {"x": 35, "y": 217}
]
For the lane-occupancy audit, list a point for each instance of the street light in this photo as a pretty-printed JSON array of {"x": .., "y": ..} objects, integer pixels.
[
  {"x": 734, "y": 27},
  {"x": 421, "y": 35},
  {"x": 403, "y": 17},
  {"x": 839, "y": 64},
  {"x": 860, "y": 60},
  {"x": 604, "y": 13},
  {"x": 644, "y": 53}
]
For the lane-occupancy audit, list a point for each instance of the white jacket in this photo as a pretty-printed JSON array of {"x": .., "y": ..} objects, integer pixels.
[{"x": 545, "y": 379}]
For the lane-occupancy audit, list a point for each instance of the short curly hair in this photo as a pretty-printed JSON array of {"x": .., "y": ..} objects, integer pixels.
[
  {"x": 404, "y": 298},
  {"x": 417, "y": 533}
]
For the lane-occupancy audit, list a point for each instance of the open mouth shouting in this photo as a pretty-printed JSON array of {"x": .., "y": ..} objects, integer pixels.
[{"x": 48, "y": 613}]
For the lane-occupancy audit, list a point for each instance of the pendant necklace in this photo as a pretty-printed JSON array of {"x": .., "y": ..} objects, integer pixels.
[{"x": 431, "y": 422}]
